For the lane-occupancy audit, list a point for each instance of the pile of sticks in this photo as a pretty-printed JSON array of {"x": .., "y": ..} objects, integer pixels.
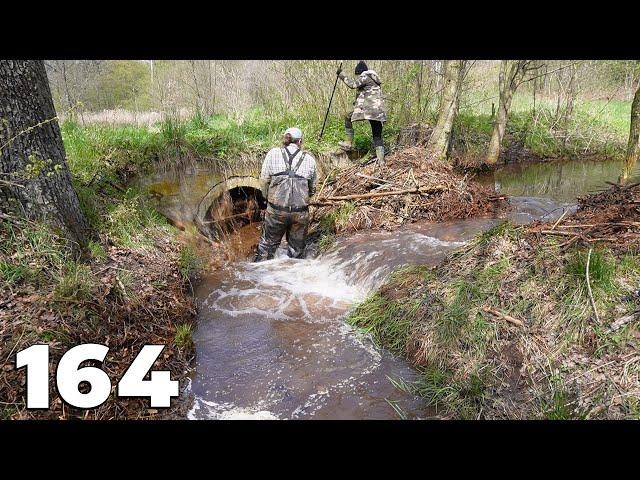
[
  {"x": 410, "y": 187},
  {"x": 612, "y": 216}
]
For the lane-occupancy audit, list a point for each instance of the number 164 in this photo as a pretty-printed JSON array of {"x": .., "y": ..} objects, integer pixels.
[{"x": 70, "y": 375}]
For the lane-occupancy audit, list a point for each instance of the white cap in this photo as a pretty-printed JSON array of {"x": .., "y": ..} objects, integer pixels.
[{"x": 296, "y": 133}]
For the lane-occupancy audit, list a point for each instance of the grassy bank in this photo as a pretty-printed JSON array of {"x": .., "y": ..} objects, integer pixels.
[
  {"x": 131, "y": 288},
  {"x": 219, "y": 137},
  {"x": 596, "y": 128},
  {"x": 505, "y": 328}
]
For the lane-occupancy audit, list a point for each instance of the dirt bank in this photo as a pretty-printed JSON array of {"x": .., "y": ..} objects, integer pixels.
[{"x": 513, "y": 326}]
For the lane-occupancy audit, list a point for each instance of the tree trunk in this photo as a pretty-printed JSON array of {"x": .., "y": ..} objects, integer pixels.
[
  {"x": 511, "y": 75},
  {"x": 633, "y": 147},
  {"x": 439, "y": 140},
  {"x": 35, "y": 182}
]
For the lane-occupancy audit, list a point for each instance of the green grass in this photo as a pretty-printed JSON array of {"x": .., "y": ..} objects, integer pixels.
[
  {"x": 602, "y": 268},
  {"x": 94, "y": 148},
  {"x": 11, "y": 274},
  {"x": 33, "y": 253},
  {"x": 101, "y": 160},
  {"x": 189, "y": 262},
  {"x": 327, "y": 240},
  {"x": 7, "y": 411},
  {"x": 74, "y": 282},
  {"x": 338, "y": 219},
  {"x": 596, "y": 127},
  {"x": 96, "y": 250},
  {"x": 388, "y": 322},
  {"x": 124, "y": 221},
  {"x": 559, "y": 404},
  {"x": 100, "y": 152},
  {"x": 435, "y": 317},
  {"x": 184, "y": 335}
]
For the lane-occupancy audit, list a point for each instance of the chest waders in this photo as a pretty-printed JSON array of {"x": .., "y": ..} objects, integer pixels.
[
  {"x": 288, "y": 191},
  {"x": 288, "y": 198}
]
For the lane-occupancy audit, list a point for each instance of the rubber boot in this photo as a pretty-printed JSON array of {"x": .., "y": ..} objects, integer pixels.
[
  {"x": 260, "y": 257},
  {"x": 347, "y": 145},
  {"x": 380, "y": 156}
]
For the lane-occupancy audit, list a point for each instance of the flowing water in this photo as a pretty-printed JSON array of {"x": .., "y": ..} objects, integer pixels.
[{"x": 272, "y": 342}]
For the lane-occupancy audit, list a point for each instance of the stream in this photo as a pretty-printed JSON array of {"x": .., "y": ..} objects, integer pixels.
[{"x": 272, "y": 343}]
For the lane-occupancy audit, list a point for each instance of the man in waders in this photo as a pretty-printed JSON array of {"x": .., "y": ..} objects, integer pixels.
[
  {"x": 287, "y": 181},
  {"x": 369, "y": 105}
]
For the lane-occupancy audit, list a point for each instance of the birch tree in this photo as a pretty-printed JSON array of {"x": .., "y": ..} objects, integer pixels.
[
  {"x": 512, "y": 74},
  {"x": 438, "y": 143}
]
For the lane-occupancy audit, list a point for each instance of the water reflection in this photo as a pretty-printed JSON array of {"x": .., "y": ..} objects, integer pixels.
[{"x": 559, "y": 180}]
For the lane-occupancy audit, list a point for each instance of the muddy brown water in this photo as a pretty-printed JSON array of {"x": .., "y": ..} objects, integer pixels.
[{"x": 272, "y": 341}]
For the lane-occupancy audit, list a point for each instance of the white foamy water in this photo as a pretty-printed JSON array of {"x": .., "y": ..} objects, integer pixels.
[
  {"x": 302, "y": 277},
  {"x": 226, "y": 411},
  {"x": 272, "y": 341}
]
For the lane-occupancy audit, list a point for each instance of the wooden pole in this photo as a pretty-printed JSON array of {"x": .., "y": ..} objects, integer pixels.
[{"x": 329, "y": 107}]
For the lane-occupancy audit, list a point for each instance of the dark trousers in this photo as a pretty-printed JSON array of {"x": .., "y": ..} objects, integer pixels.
[
  {"x": 278, "y": 223},
  {"x": 376, "y": 129}
]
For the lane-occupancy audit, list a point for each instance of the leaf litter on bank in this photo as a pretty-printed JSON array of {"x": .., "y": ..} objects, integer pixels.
[{"x": 137, "y": 297}]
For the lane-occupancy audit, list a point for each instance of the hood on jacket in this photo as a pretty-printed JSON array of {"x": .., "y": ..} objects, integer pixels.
[{"x": 373, "y": 75}]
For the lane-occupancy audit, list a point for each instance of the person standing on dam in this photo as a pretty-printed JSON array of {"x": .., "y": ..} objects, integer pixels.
[
  {"x": 287, "y": 180},
  {"x": 368, "y": 105}
]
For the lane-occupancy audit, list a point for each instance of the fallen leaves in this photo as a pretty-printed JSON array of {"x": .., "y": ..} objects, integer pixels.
[{"x": 124, "y": 317}]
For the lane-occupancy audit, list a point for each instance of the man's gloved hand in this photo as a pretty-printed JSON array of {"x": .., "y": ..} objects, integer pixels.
[{"x": 339, "y": 71}]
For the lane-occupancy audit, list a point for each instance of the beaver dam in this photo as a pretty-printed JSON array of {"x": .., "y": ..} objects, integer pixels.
[{"x": 272, "y": 338}]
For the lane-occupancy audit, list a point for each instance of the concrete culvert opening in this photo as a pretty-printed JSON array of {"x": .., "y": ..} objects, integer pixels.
[{"x": 232, "y": 210}]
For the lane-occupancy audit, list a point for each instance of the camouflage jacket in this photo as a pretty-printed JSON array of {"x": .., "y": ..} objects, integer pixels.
[{"x": 369, "y": 104}]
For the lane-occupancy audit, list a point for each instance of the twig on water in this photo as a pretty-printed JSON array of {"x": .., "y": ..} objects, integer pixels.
[{"x": 559, "y": 220}]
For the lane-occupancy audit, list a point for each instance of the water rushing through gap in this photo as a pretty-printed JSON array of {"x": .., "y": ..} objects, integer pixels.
[
  {"x": 271, "y": 340},
  {"x": 271, "y": 337}
]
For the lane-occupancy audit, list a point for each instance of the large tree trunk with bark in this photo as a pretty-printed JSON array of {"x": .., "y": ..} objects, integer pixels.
[
  {"x": 633, "y": 147},
  {"x": 441, "y": 135},
  {"x": 511, "y": 76},
  {"x": 35, "y": 182}
]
